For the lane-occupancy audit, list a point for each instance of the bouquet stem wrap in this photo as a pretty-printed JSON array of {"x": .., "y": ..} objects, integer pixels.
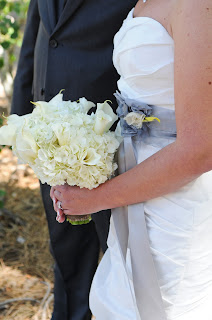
[{"x": 78, "y": 220}]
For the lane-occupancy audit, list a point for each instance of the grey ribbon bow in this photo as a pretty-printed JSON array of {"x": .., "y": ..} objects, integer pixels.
[
  {"x": 166, "y": 127},
  {"x": 129, "y": 105}
]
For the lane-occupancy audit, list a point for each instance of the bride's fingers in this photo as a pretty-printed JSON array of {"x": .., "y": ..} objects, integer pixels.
[
  {"x": 57, "y": 195},
  {"x": 55, "y": 205},
  {"x": 71, "y": 213},
  {"x": 52, "y": 192},
  {"x": 54, "y": 199},
  {"x": 68, "y": 213},
  {"x": 60, "y": 216}
]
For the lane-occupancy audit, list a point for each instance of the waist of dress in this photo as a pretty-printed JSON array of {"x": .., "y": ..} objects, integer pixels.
[{"x": 162, "y": 125}]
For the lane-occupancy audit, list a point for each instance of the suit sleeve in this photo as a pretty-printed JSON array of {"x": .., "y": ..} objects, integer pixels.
[{"x": 22, "y": 87}]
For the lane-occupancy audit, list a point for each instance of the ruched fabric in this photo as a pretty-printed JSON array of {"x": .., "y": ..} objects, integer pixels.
[
  {"x": 144, "y": 57},
  {"x": 179, "y": 224}
]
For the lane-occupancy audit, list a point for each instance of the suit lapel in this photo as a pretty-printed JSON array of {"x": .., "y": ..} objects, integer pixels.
[{"x": 70, "y": 7}]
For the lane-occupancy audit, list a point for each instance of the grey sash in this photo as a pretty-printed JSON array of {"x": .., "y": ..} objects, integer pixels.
[{"x": 130, "y": 226}]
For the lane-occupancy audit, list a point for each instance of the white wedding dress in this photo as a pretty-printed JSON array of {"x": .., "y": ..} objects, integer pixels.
[{"x": 179, "y": 224}]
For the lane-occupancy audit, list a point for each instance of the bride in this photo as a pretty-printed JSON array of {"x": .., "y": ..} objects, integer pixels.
[{"x": 159, "y": 260}]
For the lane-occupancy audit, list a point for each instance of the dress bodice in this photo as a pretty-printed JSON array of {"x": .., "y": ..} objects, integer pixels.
[{"x": 144, "y": 58}]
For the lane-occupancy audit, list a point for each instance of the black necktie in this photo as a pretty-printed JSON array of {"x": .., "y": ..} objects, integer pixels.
[{"x": 59, "y": 4}]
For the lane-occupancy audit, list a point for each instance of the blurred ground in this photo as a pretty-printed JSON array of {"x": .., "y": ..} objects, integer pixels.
[
  {"x": 26, "y": 266},
  {"x": 4, "y": 105}
]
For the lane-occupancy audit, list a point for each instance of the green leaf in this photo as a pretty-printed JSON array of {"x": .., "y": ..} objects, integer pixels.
[
  {"x": 14, "y": 35},
  {"x": 15, "y": 26},
  {"x": 3, "y": 29},
  {"x": 2, "y": 193},
  {"x": 2, "y": 4},
  {"x": 5, "y": 44},
  {"x": 10, "y": 6},
  {"x": 1, "y": 121},
  {"x": 12, "y": 58},
  {"x": 17, "y": 7},
  {"x": 1, "y": 63},
  {"x": 6, "y": 20}
]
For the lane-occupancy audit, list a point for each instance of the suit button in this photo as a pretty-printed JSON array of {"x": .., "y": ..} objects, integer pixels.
[
  {"x": 53, "y": 43},
  {"x": 42, "y": 90}
]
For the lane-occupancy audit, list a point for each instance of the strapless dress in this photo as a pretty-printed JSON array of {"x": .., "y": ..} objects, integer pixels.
[{"x": 179, "y": 224}]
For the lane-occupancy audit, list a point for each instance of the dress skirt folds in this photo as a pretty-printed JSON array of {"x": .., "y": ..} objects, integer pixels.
[{"x": 158, "y": 265}]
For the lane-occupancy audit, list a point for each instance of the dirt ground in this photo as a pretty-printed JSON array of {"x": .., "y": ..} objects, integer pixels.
[{"x": 26, "y": 266}]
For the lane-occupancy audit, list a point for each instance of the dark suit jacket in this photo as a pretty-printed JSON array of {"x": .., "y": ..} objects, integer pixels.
[{"x": 74, "y": 54}]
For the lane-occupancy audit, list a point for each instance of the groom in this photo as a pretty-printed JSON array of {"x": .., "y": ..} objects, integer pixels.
[{"x": 68, "y": 45}]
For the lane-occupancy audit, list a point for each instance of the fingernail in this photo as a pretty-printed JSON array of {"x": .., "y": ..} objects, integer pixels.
[
  {"x": 58, "y": 217},
  {"x": 58, "y": 220}
]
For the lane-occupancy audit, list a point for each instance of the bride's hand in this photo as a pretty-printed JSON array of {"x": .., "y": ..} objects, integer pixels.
[
  {"x": 60, "y": 214},
  {"x": 75, "y": 201}
]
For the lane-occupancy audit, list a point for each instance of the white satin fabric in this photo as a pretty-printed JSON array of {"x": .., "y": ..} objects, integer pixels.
[{"x": 179, "y": 224}]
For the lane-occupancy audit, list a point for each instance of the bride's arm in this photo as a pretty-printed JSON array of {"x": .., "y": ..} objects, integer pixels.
[{"x": 191, "y": 154}]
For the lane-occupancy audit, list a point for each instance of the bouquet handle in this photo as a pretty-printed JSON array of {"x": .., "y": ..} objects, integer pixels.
[{"x": 76, "y": 220}]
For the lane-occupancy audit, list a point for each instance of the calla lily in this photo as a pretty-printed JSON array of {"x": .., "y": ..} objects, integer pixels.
[
  {"x": 26, "y": 147},
  {"x": 8, "y": 132},
  {"x": 90, "y": 157},
  {"x": 53, "y": 105},
  {"x": 102, "y": 121},
  {"x": 86, "y": 105},
  {"x": 7, "y": 135},
  {"x": 57, "y": 100},
  {"x": 105, "y": 118},
  {"x": 62, "y": 133},
  {"x": 42, "y": 107},
  {"x": 16, "y": 120}
]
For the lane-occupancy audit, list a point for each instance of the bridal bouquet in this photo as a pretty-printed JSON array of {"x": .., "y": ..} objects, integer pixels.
[{"x": 63, "y": 144}]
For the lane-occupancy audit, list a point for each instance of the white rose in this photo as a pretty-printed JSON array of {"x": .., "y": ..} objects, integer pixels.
[
  {"x": 135, "y": 119},
  {"x": 104, "y": 118}
]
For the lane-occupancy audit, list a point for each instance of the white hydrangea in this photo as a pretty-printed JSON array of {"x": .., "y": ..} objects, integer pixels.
[{"x": 63, "y": 144}]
